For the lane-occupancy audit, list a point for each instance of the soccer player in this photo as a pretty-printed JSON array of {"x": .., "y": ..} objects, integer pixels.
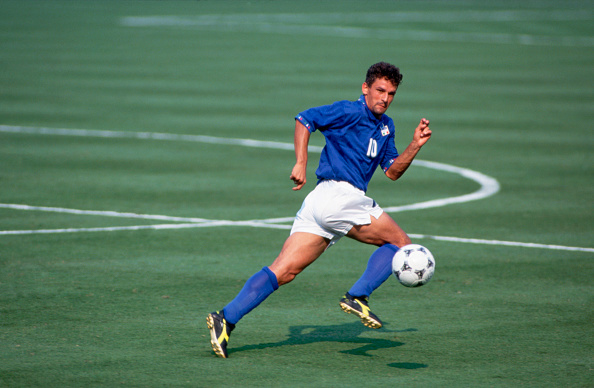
[{"x": 359, "y": 137}]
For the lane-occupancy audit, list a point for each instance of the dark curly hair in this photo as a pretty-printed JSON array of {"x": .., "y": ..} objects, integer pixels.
[{"x": 383, "y": 70}]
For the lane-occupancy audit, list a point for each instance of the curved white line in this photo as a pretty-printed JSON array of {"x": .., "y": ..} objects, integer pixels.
[{"x": 489, "y": 186}]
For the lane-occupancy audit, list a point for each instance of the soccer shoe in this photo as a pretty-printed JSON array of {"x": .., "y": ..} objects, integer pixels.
[
  {"x": 220, "y": 330},
  {"x": 358, "y": 305}
]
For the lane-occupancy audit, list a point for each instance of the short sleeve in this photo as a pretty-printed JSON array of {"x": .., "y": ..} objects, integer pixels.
[{"x": 322, "y": 117}]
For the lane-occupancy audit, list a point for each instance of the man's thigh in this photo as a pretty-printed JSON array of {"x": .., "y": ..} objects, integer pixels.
[
  {"x": 299, "y": 251},
  {"x": 382, "y": 230}
]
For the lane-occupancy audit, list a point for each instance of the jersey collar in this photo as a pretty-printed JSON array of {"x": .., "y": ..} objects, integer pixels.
[{"x": 369, "y": 112}]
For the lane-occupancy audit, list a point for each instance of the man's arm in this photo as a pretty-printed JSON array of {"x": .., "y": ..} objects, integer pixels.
[
  {"x": 421, "y": 136},
  {"x": 301, "y": 143}
]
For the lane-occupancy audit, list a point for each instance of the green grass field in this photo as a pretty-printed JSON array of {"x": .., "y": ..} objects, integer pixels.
[{"x": 115, "y": 178}]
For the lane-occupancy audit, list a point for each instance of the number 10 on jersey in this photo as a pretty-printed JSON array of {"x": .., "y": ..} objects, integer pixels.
[{"x": 372, "y": 149}]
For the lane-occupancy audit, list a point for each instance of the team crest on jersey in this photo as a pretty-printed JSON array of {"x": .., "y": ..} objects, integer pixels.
[{"x": 385, "y": 130}]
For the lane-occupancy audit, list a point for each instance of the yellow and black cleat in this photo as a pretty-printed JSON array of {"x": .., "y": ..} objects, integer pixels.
[
  {"x": 359, "y": 306},
  {"x": 220, "y": 330}
]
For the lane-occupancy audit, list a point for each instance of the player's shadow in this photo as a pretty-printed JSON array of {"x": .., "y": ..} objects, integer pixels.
[{"x": 344, "y": 333}]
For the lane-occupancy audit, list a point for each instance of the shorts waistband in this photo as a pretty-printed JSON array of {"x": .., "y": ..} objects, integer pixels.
[{"x": 342, "y": 184}]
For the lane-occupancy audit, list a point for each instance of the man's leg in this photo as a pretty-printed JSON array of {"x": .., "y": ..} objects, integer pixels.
[
  {"x": 255, "y": 291},
  {"x": 389, "y": 236},
  {"x": 299, "y": 250},
  {"x": 382, "y": 230},
  {"x": 385, "y": 233},
  {"x": 221, "y": 323},
  {"x": 379, "y": 269}
]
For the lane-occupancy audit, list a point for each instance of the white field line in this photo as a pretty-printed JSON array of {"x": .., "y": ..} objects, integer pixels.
[
  {"x": 257, "y": 224},
  {"x": 501, "y": 243},
  {"x": 254, "y": 224},
  {"x": 489, "y": 186},
  {"x": 320, "y": 25},
  {"x": 149, "y": 136},
  {"x": 104, "y": 213}
]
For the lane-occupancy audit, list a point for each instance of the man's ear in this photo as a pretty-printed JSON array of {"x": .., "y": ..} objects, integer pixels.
[{"x": 365, "y": 88}]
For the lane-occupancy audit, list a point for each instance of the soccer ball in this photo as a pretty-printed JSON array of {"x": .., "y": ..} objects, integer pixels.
[{"x": 413, "y": 265}]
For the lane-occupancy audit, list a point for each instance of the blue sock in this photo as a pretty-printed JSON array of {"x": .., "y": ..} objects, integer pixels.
[
  {"x": 255, "y": 290},
  {"x": 379, "y": 269}
]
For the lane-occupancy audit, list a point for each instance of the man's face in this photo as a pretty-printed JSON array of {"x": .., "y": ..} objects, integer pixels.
[{"x": 379, "y": 95}]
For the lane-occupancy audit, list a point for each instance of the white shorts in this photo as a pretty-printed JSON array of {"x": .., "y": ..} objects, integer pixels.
[{"x": 333, "y": 208}]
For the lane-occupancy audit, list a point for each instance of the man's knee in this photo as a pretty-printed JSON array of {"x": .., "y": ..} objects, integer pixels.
[
  {"x": 284, "y": 275},
  {"x": 404, "y": 240}
]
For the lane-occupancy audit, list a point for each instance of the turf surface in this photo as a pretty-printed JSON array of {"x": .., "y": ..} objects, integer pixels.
[{"x": 507, "y": 87}]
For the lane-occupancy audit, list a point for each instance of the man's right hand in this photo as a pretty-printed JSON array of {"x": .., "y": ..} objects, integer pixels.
[{"x": 298, "y": 176}]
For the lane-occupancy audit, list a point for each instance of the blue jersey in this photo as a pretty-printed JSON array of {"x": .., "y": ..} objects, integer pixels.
[{"x": 356, "y": 141}]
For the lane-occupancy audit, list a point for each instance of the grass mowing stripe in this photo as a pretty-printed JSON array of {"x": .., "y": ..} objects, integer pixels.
[
  {"x": 363, "y": 17},
  {"x": 306, "y": 25}
]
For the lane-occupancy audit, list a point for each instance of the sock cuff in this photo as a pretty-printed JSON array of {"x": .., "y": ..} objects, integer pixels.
[
  {"x": 391, "y": 246},
  {"x": 272, "y": 277}
]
